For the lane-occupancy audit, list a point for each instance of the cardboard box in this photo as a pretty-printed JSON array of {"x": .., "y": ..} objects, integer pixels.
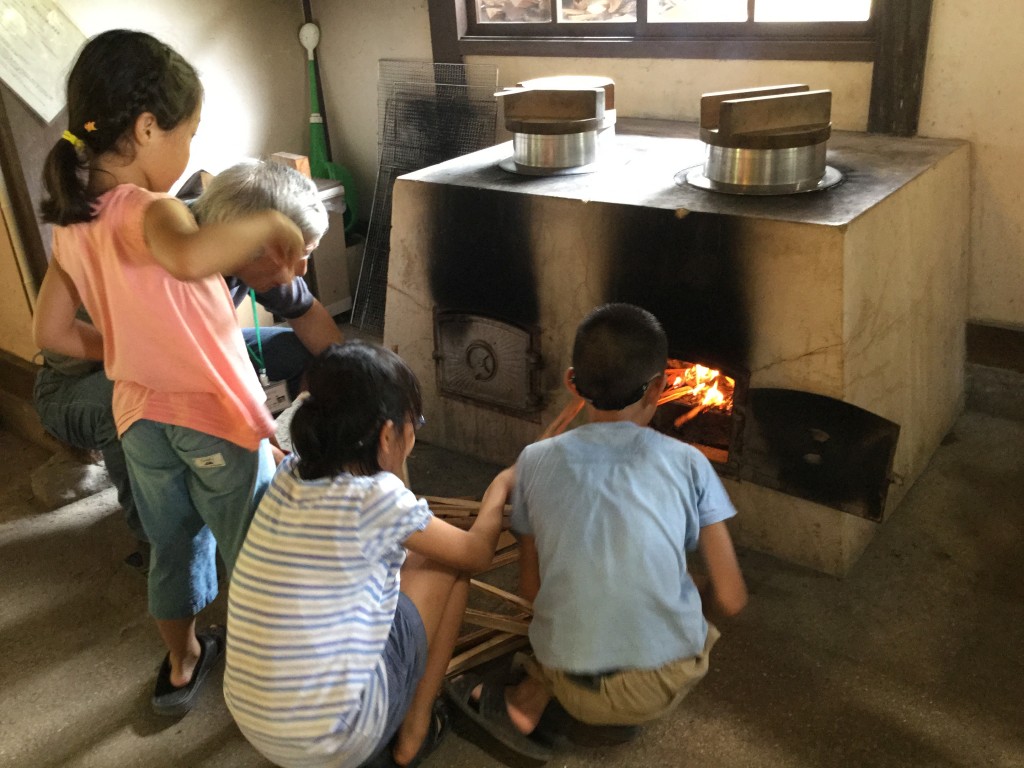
[{"x": 330, "y": 260}]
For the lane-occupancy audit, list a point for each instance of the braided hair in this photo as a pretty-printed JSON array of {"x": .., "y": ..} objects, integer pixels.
[
  {"x": 354, "y": 389},
  {"x": 119, "y": 75}
]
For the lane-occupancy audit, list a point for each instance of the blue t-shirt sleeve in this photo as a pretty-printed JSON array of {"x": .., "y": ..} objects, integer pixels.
[
  {"x": 713, "y": 503},
  {"x": 519, "y": 520}
]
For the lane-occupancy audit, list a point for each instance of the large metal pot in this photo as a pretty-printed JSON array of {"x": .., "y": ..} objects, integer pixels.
[
  {"x": 765, "y": 141},
  {"x": 770, "y": 165},
  {"x": 559, "y": 125}
]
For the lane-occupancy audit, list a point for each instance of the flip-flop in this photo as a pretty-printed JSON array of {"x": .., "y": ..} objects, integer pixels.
[
  {"x": 176, "y": 701},
  {"x": 556, "y": 724},
  {"x": 438, "y": 730},
  {"x": 491, "y": 714},
  {"x": 436, "y": 733}
]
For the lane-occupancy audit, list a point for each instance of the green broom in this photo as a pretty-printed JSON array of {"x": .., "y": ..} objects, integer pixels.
[{"x": 320, "y": 164}]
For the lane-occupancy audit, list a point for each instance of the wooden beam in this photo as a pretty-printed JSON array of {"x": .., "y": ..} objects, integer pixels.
[
  {"x": 447, "y": 26},
  {"x": 898, "y": 77}
]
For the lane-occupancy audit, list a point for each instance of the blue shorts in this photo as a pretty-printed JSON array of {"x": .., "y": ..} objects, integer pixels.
[
  {"x": 195, "y": 493},
  {"x": 405, "y": 658}
]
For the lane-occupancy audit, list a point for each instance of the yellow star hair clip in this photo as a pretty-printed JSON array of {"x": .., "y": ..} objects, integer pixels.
[{"x": 90, "y": 126}]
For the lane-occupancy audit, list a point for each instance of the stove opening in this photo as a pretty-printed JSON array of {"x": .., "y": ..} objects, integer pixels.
[{"x": 698, "y": 407}]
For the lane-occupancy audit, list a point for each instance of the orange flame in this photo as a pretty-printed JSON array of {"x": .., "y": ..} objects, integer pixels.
[{"x": 697, "y": 386}]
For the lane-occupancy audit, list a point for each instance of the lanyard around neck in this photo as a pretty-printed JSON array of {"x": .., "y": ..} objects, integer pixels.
[{"x": 257, "y": 354}]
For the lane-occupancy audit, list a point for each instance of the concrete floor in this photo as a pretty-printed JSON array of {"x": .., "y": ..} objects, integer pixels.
[{"x": 915, "y": 659}]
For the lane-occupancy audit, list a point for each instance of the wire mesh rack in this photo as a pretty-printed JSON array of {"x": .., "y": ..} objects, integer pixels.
[{"x": 426, "y": 113}]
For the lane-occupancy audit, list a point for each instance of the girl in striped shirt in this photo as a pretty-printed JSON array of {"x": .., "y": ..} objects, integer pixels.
[{"x": 348, "y": 594}]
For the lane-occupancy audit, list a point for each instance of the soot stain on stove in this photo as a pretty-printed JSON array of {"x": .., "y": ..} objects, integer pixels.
[
  {"x": 685, "y": 271},
  {"x": 479, "y": 255}
]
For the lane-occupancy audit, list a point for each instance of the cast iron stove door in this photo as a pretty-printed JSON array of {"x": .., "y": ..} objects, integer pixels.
[{"x": 487, "y": 361}]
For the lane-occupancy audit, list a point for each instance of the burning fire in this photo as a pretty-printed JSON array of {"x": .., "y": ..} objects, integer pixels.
[{"x": 698, "y": 386}]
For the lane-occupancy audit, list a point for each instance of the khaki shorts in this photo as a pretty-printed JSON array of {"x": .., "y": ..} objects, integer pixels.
[{"x": 629, "y": 697}]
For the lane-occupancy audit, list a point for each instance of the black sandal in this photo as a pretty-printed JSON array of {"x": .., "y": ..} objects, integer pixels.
[
  {"x": 435, "y": 735},
  {"x": 176, "y": 701},
  {"x": 491, "y": 714}
]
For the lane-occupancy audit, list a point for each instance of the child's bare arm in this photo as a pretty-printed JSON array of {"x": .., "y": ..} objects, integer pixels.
[
  {"x": 54, "y": 325},
  {"x": 190, "y": 252},
  {"x": 470, "y": 550},
  {"x": 529, "y": 567},
  {"x": 724, "y": 591}
]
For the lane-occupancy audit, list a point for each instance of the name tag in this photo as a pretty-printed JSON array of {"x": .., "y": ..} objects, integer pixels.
[{"x": 277, "y": 396}]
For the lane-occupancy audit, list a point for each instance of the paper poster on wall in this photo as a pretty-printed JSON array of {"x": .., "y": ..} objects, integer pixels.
[{"x": 38, "y": 44}]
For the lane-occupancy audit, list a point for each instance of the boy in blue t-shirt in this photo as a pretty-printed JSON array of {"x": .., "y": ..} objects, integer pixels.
[{"x": 605, "y": 516}]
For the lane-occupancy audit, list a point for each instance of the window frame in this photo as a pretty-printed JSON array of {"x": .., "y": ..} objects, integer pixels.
[
  {"x": 828, "y": 41},
  {"x": 901, "y": 31}
]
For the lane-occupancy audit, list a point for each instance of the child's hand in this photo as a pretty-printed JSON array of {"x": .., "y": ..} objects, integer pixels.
[
  {"x": 286, "y": 244},
  {"x": 264, "y": 273},
  {"x": 498, "y": 492}
]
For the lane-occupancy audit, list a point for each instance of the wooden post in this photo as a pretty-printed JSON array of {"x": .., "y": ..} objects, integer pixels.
[{"x": 898, "y": 76}]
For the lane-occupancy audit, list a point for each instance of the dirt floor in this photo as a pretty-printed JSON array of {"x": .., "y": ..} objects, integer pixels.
[{"x": 914, "y": 659}]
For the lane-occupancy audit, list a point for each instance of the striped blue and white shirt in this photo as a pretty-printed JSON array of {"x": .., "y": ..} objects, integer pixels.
[{"x": 312, "y": 599}]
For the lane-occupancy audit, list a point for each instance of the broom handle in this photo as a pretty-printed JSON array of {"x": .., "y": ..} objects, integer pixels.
[{"x": 307, "y": 12}]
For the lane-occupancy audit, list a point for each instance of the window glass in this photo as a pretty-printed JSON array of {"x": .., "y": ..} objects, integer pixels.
[
  {"x": 597, "y": 10},
  {"x": 515, "y": 11},
  {"x": 812, "y": 10},
  {"x": 692, "y": 11},
  {"x": 831, "y": 30}
]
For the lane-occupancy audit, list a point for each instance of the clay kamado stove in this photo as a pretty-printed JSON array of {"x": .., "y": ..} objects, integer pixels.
[{"x": 828, "y": 312}]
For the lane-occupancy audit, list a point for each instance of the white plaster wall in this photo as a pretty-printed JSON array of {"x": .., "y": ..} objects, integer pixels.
[
  {"x": 249, "y": 59},
  {"x": 354, "y": 37},
  {"x": 973, "y": 91}
]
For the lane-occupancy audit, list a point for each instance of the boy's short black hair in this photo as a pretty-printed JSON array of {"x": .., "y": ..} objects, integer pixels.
[{"x": 619, "y": 348}]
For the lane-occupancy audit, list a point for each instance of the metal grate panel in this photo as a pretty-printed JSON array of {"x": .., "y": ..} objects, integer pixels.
[{"x": 427, "y": 113}]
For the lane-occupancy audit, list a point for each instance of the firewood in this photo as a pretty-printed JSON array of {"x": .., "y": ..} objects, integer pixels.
[
  {"x": 450, "y": 502},
  {"x": 501, "y": 559},
  {"x": 497, "y": 646},
  {"x": 690, "y": 414},
  {"x": 497, "y": 621},
  {"x": 472, "y": 639},
  {"x": 563, "y": 419},
  {"x": 501, "y": 593}
]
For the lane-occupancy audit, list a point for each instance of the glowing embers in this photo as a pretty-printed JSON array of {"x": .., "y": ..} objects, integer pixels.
[{"x": 697, "y": 406}]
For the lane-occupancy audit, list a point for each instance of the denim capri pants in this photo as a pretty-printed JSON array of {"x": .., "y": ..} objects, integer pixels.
[{"x": 194, "y": 492}]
